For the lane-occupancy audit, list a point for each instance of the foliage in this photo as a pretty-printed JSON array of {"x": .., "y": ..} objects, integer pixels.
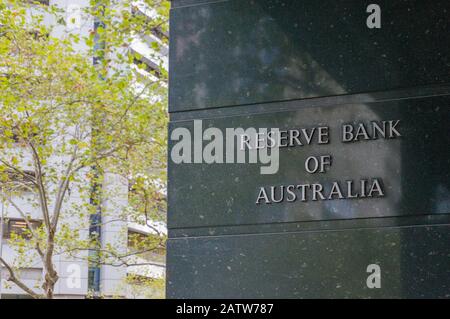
[{"x": 68, "y": 124}]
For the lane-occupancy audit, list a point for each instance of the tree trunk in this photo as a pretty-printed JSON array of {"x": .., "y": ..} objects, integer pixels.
[
  {"x": 50, "y": 276},
  {"x": 50, "y": 280}
]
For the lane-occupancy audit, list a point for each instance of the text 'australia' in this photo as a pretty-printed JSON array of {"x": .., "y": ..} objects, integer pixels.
[{"x": 315, "y": 191}]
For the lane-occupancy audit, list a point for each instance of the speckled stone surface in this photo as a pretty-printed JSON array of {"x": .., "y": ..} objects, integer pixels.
[
  {"x": 332, "y": 264},
  {"x": 291, "y": 64},
  {"x": 413, "y": 168},
  {"x": 225, "y": 53}
]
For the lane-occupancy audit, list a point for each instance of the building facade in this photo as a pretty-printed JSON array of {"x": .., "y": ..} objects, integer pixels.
[{"x": 77, "y": 277}]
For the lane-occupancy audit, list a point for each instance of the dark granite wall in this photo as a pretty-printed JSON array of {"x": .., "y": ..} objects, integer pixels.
[{"x": 288, "y": 64}]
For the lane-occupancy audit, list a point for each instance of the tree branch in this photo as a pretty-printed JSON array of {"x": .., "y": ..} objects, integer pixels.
[
  {"x": 20, "y": 284},
  {"x": 62, "y": 189},
  {"x": 30, "y": 227},
  {"x": 41, "y": 188},
  {"x": 18, "y": 171}
]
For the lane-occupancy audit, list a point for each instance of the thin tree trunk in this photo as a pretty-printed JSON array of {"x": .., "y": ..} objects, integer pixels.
[
  {"x": 12, "y": 277},
  {"x": 50, "y": 275}
]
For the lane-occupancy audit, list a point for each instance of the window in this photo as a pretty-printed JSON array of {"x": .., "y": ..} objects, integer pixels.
[
  {"x": 22, "y": 180},
  {"x": 94, "y": 279},
  {"x": 44, "y": 2},
  {"x": 157, "y": 30},
  {"x": 160, "y": 34},
  {"x": 19, "y": 227},
  {"x": 23, "y": 176},
  {"x": 147, "y": 65},
  {"x": 149, "y": 246},
  {"x": 134, "y": 238}
]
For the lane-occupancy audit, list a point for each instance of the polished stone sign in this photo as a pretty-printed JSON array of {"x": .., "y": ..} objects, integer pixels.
[
  {"x": 309, "y": 149},
  {"x": 372, "y": 156}
]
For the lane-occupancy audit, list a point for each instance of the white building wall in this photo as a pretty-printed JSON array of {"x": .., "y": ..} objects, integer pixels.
[{"x": 114, "y": 231}]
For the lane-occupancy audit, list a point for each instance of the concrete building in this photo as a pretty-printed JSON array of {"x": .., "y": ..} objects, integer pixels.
[{"x": 78, "y": 278}]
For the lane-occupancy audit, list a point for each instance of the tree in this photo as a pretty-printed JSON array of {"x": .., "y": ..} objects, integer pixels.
[{"x": 67, "y": 124}]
